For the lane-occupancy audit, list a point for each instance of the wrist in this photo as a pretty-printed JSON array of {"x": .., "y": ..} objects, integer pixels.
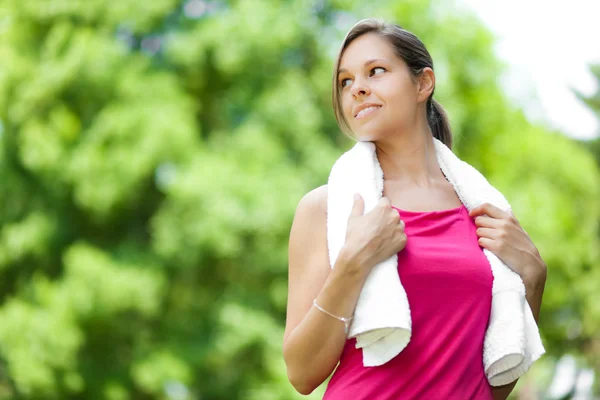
[
  {"x": 535, "y": 275},
  {"x": 350, "y": 262}
]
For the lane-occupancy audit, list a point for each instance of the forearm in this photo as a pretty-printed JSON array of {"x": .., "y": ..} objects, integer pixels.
[
  {"x": 534, "y": 281},
  {"x": 502, "y": 392},
  {"x": 314, "y": 347}
]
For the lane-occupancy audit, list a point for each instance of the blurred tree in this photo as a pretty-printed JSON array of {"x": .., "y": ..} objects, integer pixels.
[
  {"x": 592, "y": 345},
  {"x": 593, "y": 102},
  {"x": 153, "y": 153}
]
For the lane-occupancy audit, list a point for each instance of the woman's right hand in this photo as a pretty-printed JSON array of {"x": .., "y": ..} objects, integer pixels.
[{"x": 375, "y": 236}]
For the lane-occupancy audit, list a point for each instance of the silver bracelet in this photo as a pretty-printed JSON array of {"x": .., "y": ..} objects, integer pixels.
[{"x": 346, "y": 321}]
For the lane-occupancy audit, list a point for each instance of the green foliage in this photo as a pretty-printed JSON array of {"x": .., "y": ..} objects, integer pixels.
[
  {"x": 593, "y": 102},
  {"x": 592, "y": 342},
  {"x": 150, "y": 165}
]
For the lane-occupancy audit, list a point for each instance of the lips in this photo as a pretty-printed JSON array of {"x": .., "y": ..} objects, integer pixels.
[{"x": 365, "y": 109}]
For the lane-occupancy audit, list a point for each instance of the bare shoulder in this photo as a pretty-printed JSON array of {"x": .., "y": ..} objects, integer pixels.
[
  {"x": 309, "y": 226},
  {"x": 314, "y": 203}
]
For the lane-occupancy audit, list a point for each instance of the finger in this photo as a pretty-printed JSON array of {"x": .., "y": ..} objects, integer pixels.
[
  {"x": 358, "y": 208},
  {"x": 487, "y": 222},
  {"x": 385, "y": 202},
  {"x": 514, "y": 218},
  {"x": 486, "y": 243},
  {"x": 402, "y": 225},
  {"x": 488, "y": 209},
  {"x": 395, "y": 215},
  {"x": 488, "y": 233}
]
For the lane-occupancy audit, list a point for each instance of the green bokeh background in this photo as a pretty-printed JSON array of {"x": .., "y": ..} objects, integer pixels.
[{"x": 152, "y": 154}]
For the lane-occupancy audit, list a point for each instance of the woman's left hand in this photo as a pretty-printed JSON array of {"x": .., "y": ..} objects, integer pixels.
[{"x": 501, "y": 233}]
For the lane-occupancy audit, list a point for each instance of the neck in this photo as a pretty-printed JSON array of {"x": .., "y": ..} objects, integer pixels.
[{"x": 410, "y": 158}]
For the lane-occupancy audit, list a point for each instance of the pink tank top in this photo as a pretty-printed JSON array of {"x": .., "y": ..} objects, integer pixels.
[{"x": 448, "y": 282}]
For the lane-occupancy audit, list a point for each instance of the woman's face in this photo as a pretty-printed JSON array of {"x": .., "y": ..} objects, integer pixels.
[{"x": 378, "y": 96}]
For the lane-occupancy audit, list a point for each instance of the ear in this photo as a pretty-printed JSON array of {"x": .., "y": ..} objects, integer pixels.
[{"x": 426, "y": 84}]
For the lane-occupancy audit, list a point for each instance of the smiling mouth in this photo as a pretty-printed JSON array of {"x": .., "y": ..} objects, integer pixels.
[{"x": 366, "y": 111}]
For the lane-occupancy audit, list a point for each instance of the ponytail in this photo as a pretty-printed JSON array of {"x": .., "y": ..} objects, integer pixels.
[{"x": 438, "y": 122}]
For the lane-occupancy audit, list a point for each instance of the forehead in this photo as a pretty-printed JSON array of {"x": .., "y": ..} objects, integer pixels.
[{"x": 366, "y": 47}]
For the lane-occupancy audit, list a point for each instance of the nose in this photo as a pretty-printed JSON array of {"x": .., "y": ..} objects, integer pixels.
[{"x": 360, "y": 88}]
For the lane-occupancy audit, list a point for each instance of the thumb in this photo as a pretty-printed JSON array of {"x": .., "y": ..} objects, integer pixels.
[{"x": 358, "y": 208}]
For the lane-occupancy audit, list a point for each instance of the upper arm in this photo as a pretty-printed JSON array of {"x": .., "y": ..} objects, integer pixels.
[{"x": 308, "y": 259}]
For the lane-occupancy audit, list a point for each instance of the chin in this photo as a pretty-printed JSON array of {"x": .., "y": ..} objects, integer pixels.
[
  {"x": 367, "y": 137},
  {"x": 373, "y": 132}
]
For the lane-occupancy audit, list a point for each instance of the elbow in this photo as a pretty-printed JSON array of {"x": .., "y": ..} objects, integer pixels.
[
  {"x": 301, "y": 381},
  {"x": 305, "y": 376},
  {"x": 302, "y": 385}
]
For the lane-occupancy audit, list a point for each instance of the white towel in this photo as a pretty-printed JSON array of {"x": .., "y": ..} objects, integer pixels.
[{"x": 382, "y": 322}]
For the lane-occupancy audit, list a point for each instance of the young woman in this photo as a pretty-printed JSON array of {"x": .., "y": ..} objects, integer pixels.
[{"x": 383, "y": 92}]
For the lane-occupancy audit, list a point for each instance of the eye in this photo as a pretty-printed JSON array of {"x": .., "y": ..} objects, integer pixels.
[
  {"x": 345, "y": 82},
  {"x": 374, "y": 70}
]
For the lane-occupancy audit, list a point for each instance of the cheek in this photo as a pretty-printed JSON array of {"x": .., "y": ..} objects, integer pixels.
[
  {"x": 347, "y": 108},
  {"x": 403, "y": 107},
  {"x": 399, "y": 90},
  {"x": 396, "y": 94}
]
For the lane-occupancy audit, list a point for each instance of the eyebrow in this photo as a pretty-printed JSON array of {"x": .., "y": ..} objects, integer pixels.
[{"x": 367, "y": 63}]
